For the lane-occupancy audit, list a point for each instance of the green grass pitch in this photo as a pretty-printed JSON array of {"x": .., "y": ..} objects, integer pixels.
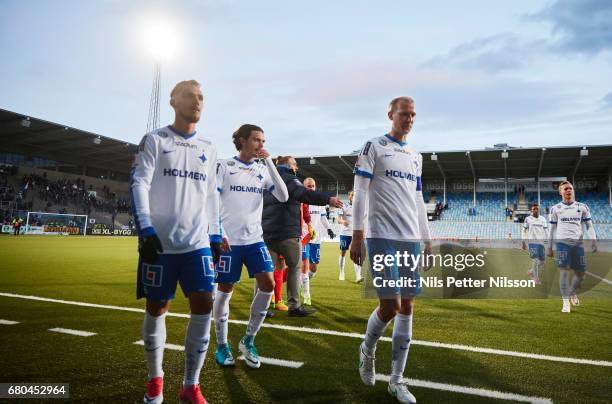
[{"x": 108, "y": 367}]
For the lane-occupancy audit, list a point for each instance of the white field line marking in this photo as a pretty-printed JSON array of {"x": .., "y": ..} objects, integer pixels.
[
  {"x": 262, "y": 359},
  {"x": 8, "y": 322},
  {"x": 167, "y": 346},
  {"x": 469, "y": 390},
  {"x": 73, "y": 332},
  {"x": 320, "y": 331},
  {"x": 277, "y": 362},
  {"x": 599, "y": 277}
]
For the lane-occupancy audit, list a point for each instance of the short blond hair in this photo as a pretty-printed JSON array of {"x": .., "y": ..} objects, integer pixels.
[
  {"x": 182, "y": 84},
  {"x": 397, "y": 100}
]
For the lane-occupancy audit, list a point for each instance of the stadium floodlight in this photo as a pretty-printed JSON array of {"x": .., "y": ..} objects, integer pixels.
[
  {"x": 584, "y": 152},
  {"x": 26, "y": 122},
  {"x": 161, "y": 40},
  {"x": 434, "y": 157},
  {"x": 313, "y": 161},
  {"x": 504, "y": 154},
  {"x": 97, "y": 140}
]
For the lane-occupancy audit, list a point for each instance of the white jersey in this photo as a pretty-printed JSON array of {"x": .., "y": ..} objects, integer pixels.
[
  {"x": 318, "y": 221},
  {"x": 394, "y": 169},
  {"x": 569, "y": 219},
  {"x": 536, "y": 229},
  {"x": 347, "y": 215},
  {"x": 241, "y": 185},
  {"x": 173, "y": 189}
]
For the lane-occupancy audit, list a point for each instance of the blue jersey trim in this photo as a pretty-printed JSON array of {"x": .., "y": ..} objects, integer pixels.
[
  {"x": 247, "y": 163},
  {"x": 271, "y": 188},
  {"x": 419, "y": 185},
  {"x": 586, "y": 220},
  {"x": 219, "y": 189},
  {"x": 391, "y": 138},
  {"x": 215, "y": 238},
  {"x": 147, "y": 232},
  {"x": 362, "y": 173},
  {"x": 551, "y": 222},
  {"x": 181, "y": 134}
]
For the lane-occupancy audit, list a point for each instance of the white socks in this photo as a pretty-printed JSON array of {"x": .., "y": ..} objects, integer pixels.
[
  {"x": 341, "y": 261},
  {"x": 196, "y": 346},
  {"x": 259, "y": 309},
  {"x": 402, "y": 334},
  {"x": 357, "y": 272},
  {"x": 376, "y": 328},
  {"x": 154, "y": 336},
  {"x": 306, "y": 284},
  {"x": 564, "y": 283},
  {"x": 221, "y": 314},
  {"x": 576, "y": 282}
]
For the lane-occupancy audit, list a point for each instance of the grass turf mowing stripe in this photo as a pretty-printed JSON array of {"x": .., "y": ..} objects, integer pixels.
[
  {"x": 609, "y": 282},
  {"x": 262, "y": 359},
  {"x": 78, "y": 333},
  {"x": 469, "y": 390},
  {"x": 320, "y": 331},
  {"x": 8, "y": 322}
]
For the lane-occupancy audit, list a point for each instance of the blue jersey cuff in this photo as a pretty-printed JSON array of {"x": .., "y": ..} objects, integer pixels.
[
  {"x": 363, "y": 173},
  {"x": 147, "y": 232},
  {"x": 215, "y": 238}
]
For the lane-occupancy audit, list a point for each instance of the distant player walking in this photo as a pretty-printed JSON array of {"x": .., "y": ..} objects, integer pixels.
[
  {"x": 535, "y": 233},
  {"x": 566, "y": 220},
  {"x": 346, "y": 236}
]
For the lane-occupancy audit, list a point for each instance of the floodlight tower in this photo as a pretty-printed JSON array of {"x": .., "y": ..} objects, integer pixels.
[
  {"x": 153, "y": 120},
  {"x": 161, "y": 40}
]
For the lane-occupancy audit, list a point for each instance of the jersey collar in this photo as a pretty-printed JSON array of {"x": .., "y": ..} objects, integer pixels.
[
  {"x": 568, "y": 204},
  {"x": 247, "y": 163},
  {"x": 181, "y": 134},
  {"x": 391, "y": 138}
]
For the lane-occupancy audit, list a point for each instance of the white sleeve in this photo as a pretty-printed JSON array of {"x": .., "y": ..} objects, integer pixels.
[
  {"x": 325, "y": 222},
  {"x": 275, "y": 183},
  {"x": 586, "y": 219},
  {"x": 524, "y": 228},
  {"x": 220, "y": 173},
  {"x": 361, "y": 185},
  {"x": 142, "y": 175},
  {"x": 553, "y": 225},
  {"x": 212, "y": 200},
  {"x": 364, "y": 167},
  {"x": 421, "y": 209}
]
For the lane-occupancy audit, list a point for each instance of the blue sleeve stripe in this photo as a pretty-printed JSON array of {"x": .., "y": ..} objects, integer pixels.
[
  {"x": 586, "y": 220},
  {"x": 271, "y": 188},
  {"x": 551, "y": 222},
  {"x": 419, "y": 185},
  {"x": 362, "y": 173},
  {"x": 219, "y": 189},
  {"x": 147, "y": 232},
  {"x": 215, "y": 238}
]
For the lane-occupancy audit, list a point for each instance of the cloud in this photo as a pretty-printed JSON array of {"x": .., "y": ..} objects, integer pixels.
[
  {"x": 583, "y": 26},
  {"x": 607, "y": 101},
  {"x": 492, "y": 54}
]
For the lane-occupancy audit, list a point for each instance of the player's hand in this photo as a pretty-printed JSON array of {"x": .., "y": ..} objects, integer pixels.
[
  {"x": 356, "y": 256},
  {"x": 524, "y": 246},
  {"x": 149, "y": 248},
  {"x": 225, "y": 245},
  {"x": 550, "y": 252},
  {"x": 263, "y": 153},
  {"x": 311, "y": 232},
  {"x": 594, "y": 246},
  {"x": 335, "y": 202},
  {"x": 215, "y": 248},
  {"x": 331, "y": 233},
  {"x": 427, "y": 254}
]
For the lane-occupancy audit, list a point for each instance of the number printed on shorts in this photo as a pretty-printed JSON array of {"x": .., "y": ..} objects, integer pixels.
[
  {"x": 225, "y": 264},
  {"x": 265, "y": 253},
  {"x": 209, "y": 266}
]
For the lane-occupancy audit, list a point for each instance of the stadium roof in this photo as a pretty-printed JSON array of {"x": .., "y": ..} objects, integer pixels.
[
  {"x": 34, "y": 137},
  {"x": 571, "y": 161}
]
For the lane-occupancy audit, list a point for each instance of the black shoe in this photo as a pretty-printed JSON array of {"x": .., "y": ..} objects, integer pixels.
[
  {"x": 301, "y": 312},
  {"x": 269, "y": 314}
]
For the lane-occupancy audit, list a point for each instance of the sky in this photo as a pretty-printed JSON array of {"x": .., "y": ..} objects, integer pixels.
[{"x": 317, "y": 76}]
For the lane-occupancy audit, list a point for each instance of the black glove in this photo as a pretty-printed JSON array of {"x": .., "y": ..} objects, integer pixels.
[
  {"x": 149, "y": 248},
  {"x": 215, "y": 248},
  {"x": 331, "y": 234}
]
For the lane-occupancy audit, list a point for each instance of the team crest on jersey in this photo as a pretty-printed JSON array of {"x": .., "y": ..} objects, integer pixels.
[
  {"x": 383, "y": 142},
  {"x": 163, "y": 134},
  {"x": 203, "y": 158},
  {"x": 260, "y": 177}
]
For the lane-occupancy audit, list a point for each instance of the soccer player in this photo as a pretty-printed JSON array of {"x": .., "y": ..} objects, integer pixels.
[
  {"x": 318, "y": 222},
  {"x": 388, "y": 180},
  {"x": 535, "y": 232},
  {"x": 346, "y": 219},
  {"x": 241, "y": 183},
  {"x": 566, "y": 220},
  {"x": 176, "y": 208}
]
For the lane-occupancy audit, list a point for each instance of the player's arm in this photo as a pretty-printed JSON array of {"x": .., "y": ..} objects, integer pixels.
[
  {"x": 422, "y": 217},
  {"x": 276, "y": 185},
  {"x": 588, "y": 223},
  {"x": 552, "y": 231},
  {"x": 524, "y": 234},
  {"x": 299, "y": 192},
  {"x": 364, "y": 172},
  {"x": 327, "y": 226},
  {"x": 212, "y": 208},
  {"x": 149, "y": 244}
]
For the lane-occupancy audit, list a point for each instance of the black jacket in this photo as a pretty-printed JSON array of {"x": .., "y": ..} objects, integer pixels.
[{"x": 281, "y": 221}]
